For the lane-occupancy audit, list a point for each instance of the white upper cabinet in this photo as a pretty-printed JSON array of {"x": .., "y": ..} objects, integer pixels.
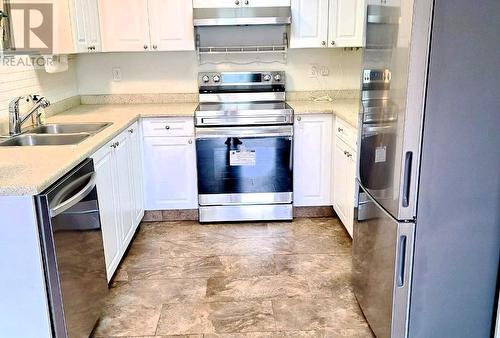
[
  {"x": 327, "y": 23},
  {"x": 312, "y": 160},
  {"x": 346, "y": 23},
  {"x": 265, "y": 3},
  {"x": 216, "y": 3},
  {"x": 142, "y": 25},
  {"x": 171, "y": 25},
  {"x": 309, "y": 23},
  {"x": 62, "y": 33},
  {"x": 124, "y": 25},
  {"x": 86, "y": 27},
  {"x": 239, "y": 3}
]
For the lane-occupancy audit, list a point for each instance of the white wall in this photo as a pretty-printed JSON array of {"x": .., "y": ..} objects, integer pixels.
[
  {"x": 22, "y": 80},
  {"x": 176, "y": 72}
]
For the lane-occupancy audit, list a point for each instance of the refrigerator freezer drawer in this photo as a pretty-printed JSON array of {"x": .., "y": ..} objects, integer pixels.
[{"x": 382, "y": 258}]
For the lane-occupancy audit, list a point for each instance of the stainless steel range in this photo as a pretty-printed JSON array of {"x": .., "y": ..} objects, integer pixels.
[{"x": 244, "y": 146}]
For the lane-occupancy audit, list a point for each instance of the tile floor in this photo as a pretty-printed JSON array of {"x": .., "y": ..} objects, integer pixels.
[{"x": 182, "y": 279}]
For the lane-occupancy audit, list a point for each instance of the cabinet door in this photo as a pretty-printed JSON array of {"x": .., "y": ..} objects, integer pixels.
[
  {"x": 312, "y": 159},
  {"x": 347, "y": 18},
  {"x": 78, "y": 16},
  {"x": 309, "y": 27},
  {"x": 171, "y": 25},
  {"x": 344, "y": 176},
  {"x": 106, "y": 192},
  {"x": 93, "y": 29},
  {"x": 124, "y": 25},
  {"x": 125, "y": 193},
  {"x": 86, "y": 31},
  {"x": 170, "y": 173},
  {"x": 62, "y": 32},
  {"x": 265, "y": 3},
  {"x": 216, "y": 3},
  {"x": 137, "y": 174}
]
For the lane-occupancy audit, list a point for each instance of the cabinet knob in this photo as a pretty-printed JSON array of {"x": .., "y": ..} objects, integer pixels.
[
  {"x": 237, "y": 2},
  {"x": 299, "y": 118},
  {"x": 190, "y": 141},
  {"x": 131, "y": 131},
  {"x": 167, "y": 127},
  {"x": 323, "y": 43},
  {"x": 155, "y": 47},
  {"x": 117, "y": 144},
  {"x": 145, "y": 46},
  {"x": 247, "y": 2},
  {"x": 333, "y": 43},
  {"x": 340, "y": 130}
]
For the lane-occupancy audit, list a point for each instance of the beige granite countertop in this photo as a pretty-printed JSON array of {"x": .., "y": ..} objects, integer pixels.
[
  {"x": 346, "y": 109},
  {"x": 30, "y": 170}
]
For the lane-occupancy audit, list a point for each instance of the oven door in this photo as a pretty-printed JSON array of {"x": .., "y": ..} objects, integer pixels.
[{"x": 245, "y": 165}]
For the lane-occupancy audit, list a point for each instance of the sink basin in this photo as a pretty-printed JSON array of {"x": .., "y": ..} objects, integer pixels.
[
  {"x": 43, "y": 140},
  {"x": 74, "y": 128}
]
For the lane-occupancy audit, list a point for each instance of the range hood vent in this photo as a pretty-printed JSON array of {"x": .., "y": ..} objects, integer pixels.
[{"x": 242, "y": 16}]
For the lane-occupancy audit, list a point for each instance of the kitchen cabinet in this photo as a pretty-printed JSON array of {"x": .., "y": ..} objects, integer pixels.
[
  {"x": 62, "y": 34},
  {"x": 239, "y": 3},
  {"x": 327, "y": 23},
  {"x": 344, "y": 173},
  {"x": 170, "y": 180},
  {"x": 117, "y": 192},
  {"x": 312, "y": 160},
  {"x": 156, "y": 25},
  {"x": 86, "y": 30},
  {"x": 137, "y": 172}
]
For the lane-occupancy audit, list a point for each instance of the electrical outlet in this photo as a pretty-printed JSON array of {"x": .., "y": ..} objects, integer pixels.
[
  {"x": 324, "y": 71},
  {"x": 117, "y": 74},
  {"x": 313, "y": 71}
]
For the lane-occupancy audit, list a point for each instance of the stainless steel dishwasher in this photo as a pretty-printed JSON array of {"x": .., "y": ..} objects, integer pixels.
[{"x": 73, "y": 253}]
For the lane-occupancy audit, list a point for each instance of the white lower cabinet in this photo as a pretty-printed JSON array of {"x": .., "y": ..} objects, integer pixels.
[
  {"x": 170, "y": 180},
  {"x": 344, "y": 177},
  {"x": 118, "y": 194},
  {"x": 312, "y": 160}
]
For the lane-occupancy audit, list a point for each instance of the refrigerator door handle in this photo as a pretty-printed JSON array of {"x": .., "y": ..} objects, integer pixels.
[
  {"x": 407, "y": 179},
  {"x": 401, "y": 266}
]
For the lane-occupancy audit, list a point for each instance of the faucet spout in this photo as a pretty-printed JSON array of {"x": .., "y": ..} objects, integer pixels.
[{"x": 16, "y": 120}]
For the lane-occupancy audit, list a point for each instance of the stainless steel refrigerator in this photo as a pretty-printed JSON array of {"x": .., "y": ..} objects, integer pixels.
[{"x": 426, "y": 241}]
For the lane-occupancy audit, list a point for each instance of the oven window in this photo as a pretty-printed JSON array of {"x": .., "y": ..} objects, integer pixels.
[{"x": 244, "y": 165}]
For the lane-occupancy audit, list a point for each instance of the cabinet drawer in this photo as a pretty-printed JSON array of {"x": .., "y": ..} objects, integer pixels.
[
  {"x": 175, "y": 126},
  {"x": 346, "y": 133}
]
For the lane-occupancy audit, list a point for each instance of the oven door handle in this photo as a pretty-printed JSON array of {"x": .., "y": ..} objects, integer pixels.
[
  {"x": 76, "y": 198},
  {"x": 242, "y": 133}
]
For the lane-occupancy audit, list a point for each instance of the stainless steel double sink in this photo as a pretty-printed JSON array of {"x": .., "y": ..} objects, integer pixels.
[{"x": 55, "y": 134}]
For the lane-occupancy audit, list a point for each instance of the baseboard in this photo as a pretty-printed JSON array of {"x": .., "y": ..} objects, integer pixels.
[
  {"x": 313, "y": 212},
  {"x": 192, "y": 214}
]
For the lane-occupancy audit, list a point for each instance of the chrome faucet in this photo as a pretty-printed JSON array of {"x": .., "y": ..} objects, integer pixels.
[{"x": 16, "y": 120}]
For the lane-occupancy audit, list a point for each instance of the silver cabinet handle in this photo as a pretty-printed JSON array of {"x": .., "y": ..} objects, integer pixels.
[
  {"x": 167, "y": 127},
  {"x": 155, "y": 47},
  {"x": 190, "y": 141},
  {"x": 340, "y": 130},
  {"x": 299, "y": 118},
  {"x": 76, "y": 198},
  {"x": 323, "y": 43},
  {"x": 131, "y": 131},
  {"x": 247, "y": 2},
  {"x": 237, "y": 2},
  {"x": 145, "y": 46},
  {"x": 117, "y": 144},
  {"x": 333, "y": 43}
]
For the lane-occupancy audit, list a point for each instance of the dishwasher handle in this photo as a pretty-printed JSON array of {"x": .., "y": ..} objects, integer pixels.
[{"x": 76, "y": 198}]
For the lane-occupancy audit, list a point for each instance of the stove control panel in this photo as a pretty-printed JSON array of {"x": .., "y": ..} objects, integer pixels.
[{"x": 241, "y": 78}]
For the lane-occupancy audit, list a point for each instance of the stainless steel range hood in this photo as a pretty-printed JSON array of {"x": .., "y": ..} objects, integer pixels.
[{"x": 242, "y": 16}]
